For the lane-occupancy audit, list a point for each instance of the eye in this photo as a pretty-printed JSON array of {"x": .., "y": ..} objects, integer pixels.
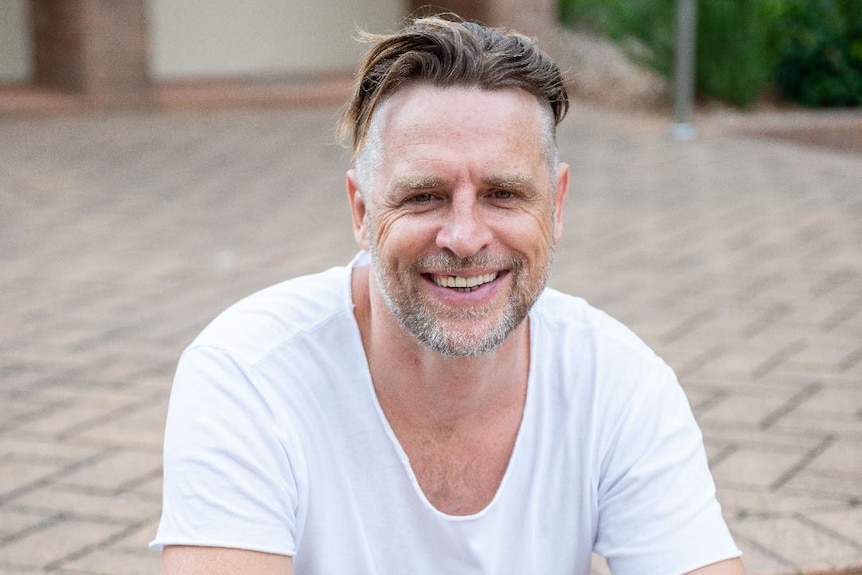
[
  {"x": 503, "y": 195},
  {"x": 421, "y": 198}
]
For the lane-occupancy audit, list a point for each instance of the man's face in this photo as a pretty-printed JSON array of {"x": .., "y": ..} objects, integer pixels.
[{"x": 462, "y": 213}]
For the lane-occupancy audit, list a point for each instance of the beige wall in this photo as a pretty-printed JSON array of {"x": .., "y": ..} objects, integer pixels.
[
  {"x": 211, "y": 38},
  {"x": 15, "y": 51}
]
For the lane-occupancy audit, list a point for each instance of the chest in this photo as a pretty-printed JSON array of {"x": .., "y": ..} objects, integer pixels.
[
  {"x": 374, "y": 493},
  {"x": 460, "y": 471}
]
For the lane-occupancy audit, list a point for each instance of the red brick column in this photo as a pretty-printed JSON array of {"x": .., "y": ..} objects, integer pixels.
[
  {"x": 98, "y": 48},
  {"x": 531, "y": 17}
]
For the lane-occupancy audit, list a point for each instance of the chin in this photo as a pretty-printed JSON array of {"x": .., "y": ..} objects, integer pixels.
[{"x": 475, "y": 342}]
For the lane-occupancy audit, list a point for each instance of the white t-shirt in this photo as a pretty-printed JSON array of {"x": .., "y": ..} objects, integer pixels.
[{"x": 275, "y": 442}]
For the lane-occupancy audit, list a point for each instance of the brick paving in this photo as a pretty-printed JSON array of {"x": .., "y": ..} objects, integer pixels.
[{"x": 737, "y": 256}]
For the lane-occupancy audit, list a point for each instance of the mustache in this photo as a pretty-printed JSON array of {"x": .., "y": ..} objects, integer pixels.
[{"x": 448, "y": 264}]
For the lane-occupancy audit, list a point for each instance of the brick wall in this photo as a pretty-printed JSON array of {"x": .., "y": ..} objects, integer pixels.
[
  {"x": 94, "y": 47},
  {"x": 536, "y": 18},
  {"x": 531, "y": 17},
  {"x": 100, "y": 48}
]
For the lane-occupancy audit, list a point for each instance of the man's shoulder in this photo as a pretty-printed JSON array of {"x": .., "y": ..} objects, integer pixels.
[
  {"x": 263, "y": 320},
  {"x": 561, "y": 313},
  {"x": 594, "y": 358}
]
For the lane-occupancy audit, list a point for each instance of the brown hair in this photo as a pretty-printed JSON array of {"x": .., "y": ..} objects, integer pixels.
[{"x": 449, "y": 52}]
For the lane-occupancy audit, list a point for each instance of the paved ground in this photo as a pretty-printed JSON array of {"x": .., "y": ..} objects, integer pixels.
[{"x": 121, "y": 234}]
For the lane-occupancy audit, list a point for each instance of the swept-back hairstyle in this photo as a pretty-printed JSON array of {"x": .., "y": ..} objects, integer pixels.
[{"x": 449, "y": 52}]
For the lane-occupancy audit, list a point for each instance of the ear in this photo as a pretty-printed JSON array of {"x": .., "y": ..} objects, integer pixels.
[
  {"x": 560, "y": 199},
  {"x": 358, "y": 210}
]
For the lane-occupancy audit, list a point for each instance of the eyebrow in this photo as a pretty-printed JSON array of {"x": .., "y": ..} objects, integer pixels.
[
  {"x": 422, "y": 182},
  {"x": 418, "y": 182},
  {"x": 517, "y": 181}
]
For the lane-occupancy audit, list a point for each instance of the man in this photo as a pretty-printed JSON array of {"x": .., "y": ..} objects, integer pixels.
[{"x": 433, "y": 408}]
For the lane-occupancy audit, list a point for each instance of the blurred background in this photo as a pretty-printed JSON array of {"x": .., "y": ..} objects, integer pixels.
[
  {"x": 119, "y": 51},
  {"x": 160, "y": 159}
]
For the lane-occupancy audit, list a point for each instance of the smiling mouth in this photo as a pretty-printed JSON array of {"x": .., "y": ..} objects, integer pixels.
[{"x": 463, "y": 283}]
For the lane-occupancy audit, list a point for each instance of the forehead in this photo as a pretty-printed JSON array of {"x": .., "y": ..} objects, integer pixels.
[{"x": 424, "y": 122}]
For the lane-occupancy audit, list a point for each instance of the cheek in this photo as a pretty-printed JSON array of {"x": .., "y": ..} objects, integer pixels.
[
  {"x": 535, "y": 232},
  {"x": 379, "y": 227},
  {"x": 396, "y": 234}
]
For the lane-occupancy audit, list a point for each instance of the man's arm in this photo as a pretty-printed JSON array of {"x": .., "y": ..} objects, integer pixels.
[
  {"x": 727, "y": 567},
  {"x": 188, "y": 560}
]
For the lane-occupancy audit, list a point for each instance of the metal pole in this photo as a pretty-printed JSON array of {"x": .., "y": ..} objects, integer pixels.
[{"x": 686, "y": 35}]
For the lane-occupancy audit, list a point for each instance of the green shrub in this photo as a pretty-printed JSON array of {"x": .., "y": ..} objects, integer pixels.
[
  {"x": 819, "y": 52},
  {"x": 650, "y": 22},
  {"x": 733, "y": 60}
]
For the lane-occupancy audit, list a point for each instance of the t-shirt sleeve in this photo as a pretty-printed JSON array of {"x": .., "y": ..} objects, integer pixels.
[
  {"x": 657, "y": 507},
  {"x": 229, "y": 478}
]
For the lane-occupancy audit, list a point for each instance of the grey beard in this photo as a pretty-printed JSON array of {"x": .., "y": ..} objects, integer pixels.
[{"x": 423, "y": 324}]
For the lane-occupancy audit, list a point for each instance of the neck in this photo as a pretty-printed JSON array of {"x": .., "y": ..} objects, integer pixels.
[{"x": 426, "y": 389}]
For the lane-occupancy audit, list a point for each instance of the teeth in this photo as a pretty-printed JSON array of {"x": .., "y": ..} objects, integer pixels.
[{"x": 464, "y": 282}]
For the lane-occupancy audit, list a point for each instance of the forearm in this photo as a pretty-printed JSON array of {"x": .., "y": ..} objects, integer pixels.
[
  {"x": 189, "y": 560},
  {"x": 728, "y": 567}
]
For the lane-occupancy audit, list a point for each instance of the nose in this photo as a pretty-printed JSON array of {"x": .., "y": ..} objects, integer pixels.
[{"x": 465, "y": 231}]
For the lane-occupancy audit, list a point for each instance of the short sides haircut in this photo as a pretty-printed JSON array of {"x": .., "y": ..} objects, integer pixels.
[{"x": 447, "y": 52}]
